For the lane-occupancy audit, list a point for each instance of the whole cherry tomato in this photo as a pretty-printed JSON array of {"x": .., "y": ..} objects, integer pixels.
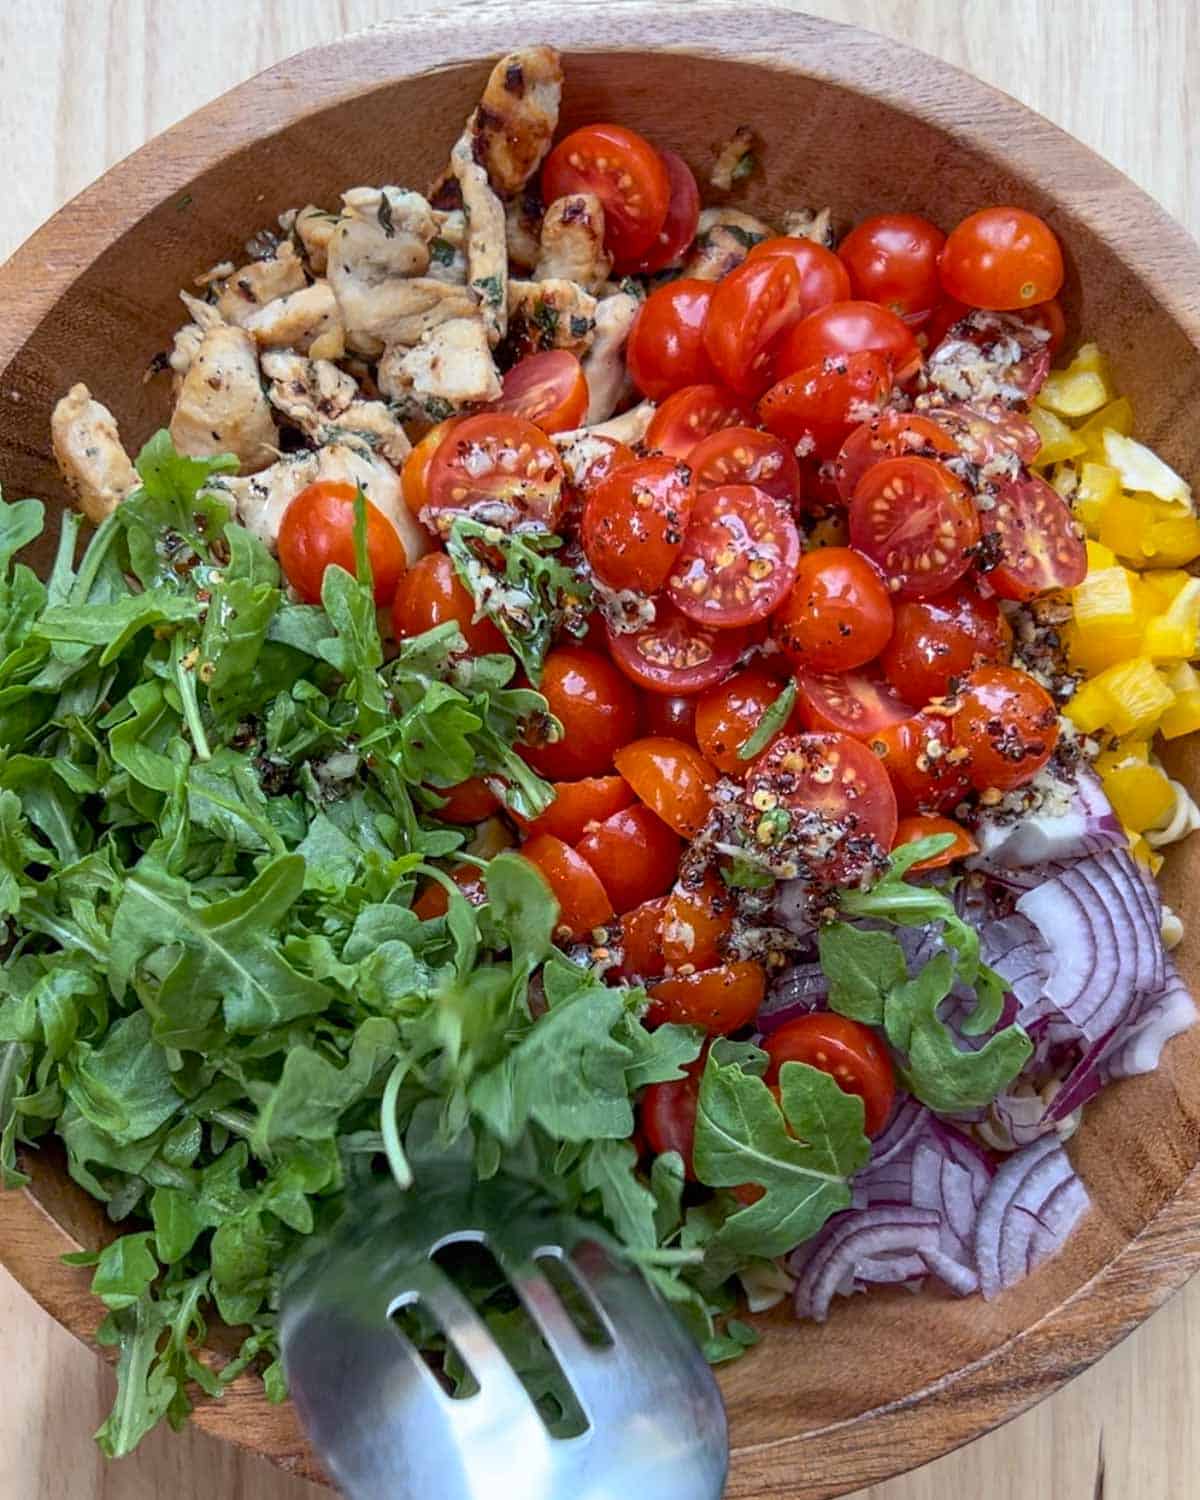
[
  {"x": 673, "y": 716},
  {"x": 598, "y": 711},
  {"x": 893, "y": 260},
  {"x": 838, "y": 614},
  {"x": 1008, "y": 724},
  {"x": 317, "y": 532},
  {"x": 851, "y": 327},
  {"x": 469, "y": 802},
  {"x": 672, "y": 779},
  {"x": 1002, "y": 258},
  {"x": 430, "y": 594},
  {"x": 433, "y": 900}
]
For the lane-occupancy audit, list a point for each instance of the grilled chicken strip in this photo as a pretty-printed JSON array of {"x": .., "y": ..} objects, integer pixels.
[
  {"x": 221, "y": 407},
  {"x": 90, "y": 455}
]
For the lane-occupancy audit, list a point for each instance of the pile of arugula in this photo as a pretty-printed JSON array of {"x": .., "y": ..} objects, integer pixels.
[{"x": 216, "y": 806}]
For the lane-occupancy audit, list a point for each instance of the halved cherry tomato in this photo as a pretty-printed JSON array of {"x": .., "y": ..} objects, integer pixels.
[
  {"x": 751, "y": 307},
  {"x": 469, "y": 802},
  {"x": 579, "y": 804},
  {"x": 665, "y": 350},
  {"x": 892, "y": 434},
  {"x": 548, "y": 389},
  {"x": 634, "y": 523},
  {"x": 414, "y": 477},
  {"x": 317, "y": 532},
  {"x": 852, "y": 1054},
  {"x": 635, "y": 855},
  {"x": 859, "y": 704},
  {"x": 937, "y": 641},
  {"x": 849, "y": 328},
  {"x": 823, "y": 277},
  {"x": 587, "y": 462},
  {"x": 626, "y": 173},
  {"x": 1008, "y": 724},
  {"x": 674, "y": 716},
  {"x": 816, "y": 408},
  {"x": 433, "y": 900},
  {"x": 596, "y": 707},
  {"x": 1038, "y": 542},
  {"x": 826, "y": 783},
  {"x": 641, "y": 941},
  {"x": 695, "y": 923},
  {"x": 668, "y": 1115},
  {"x": 720, "y": 1000},
  {"x": 942, "y": 319},
  {"x": 1002, "y": 258},
  {"x": 672, "y": 779},
  {"x": 690, "y": 415},
  {"x": 838, "y": 614},
  {"x": 738, "y": 559},
  {"x": 430, "y": 594},
  {"x": 988, "y": 435},
  {"x": 675, "y": 654},
  {"x": 583, "y": 903},
  {"x": 744, "y": 455},
  {"x": 917, "y": 522},
  {"x": 1050, "y": 317},
  {"x": 728, "y": 714},
  {"x": 920, "y": 756},
  {"x": 683, "y": 211},
  {"x": 501, "y": 468},
  {"x": 893, "y": 260},
  {"x": 990, "y": 352},
  {"x": 926, "y": 825}
]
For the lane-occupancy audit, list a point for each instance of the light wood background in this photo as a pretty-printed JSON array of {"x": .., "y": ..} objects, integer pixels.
[{"x": 82, "y": 83}]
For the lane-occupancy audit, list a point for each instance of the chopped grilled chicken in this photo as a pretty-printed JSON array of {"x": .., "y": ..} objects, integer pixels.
[
  {"x": 381, "y": 239},
  {"x": 448, "y": 248},
  {"x": 608, "y": 381},
  {"x": 324, "y": 403},
  {"x": 573, "y": 242},
  {"x": 735, "y": 159},
  {"x": 243, "y": 292},
  {"x": 630, "y": 427},
  {"x": 511, "y": 128},
  {"x": 451, "y": 367},
  {"x": 189, "y": 338},
  {"x": 408, "y": 310},
  {"x": 549, "y": 315},
  {"x": 221, "y": 407},
  {"x": 301, "y": 320},
  {"x": 523, "y": 226},
  {"x": 487, "y": 247},
  {"x": 313, "y": 227},
  {"x": 805, "y": 224},
  {"x": 724, "y": 238},
  {"x": 90, "y": 455}
]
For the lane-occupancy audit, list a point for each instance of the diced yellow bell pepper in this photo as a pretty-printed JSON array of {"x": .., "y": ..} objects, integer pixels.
[
  {"x": 1090, "y": 707},
  {"x": 1089, "y": 357},
  {"x": 1139, "y": 695},
  {"x": 1100, "y": 556},
  {"x": 1161, "y": 586},
  {"x": 1141, "y": 469},
  {"x": 1141, "y": 796},
  {"x": 1093, "y": 651},
  {"x": 1183, "y": 716},
  {"x": 1058, "y": 441},
  {"x": 1144, "y": 854},
  {"x": 1117, "y": 416},
  {"x": 1127, "y": 752},
  {"x": 1098, "y": 484},
  {"x": 1074, "y": 392},
  {"x": 1105, "y": 600},
  {"x": 1173, "y": 635},
  {"x": 1149, "y": 532}
]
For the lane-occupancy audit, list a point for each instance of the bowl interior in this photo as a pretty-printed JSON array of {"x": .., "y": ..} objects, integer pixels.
[{"x": 824, "y": 143}]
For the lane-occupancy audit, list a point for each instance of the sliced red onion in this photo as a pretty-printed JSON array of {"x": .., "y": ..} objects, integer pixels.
[
  {"x": 942, "y": 1185},
  {"x": 1087, "y": 826},
  {"x": 798, "y": 991},
  {"x": 1082, "y": 1083},
  {"x": 1014, "y": 948},
  {"x": 968, "y": 1154},
  {"x": 886, "y": 1242},
  {"x": 1034, "y": 1202},
  {"x": 1157, "y": 1017}
]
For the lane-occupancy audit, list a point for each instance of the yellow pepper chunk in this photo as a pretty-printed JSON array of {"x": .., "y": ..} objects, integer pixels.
[
  {"x": 1161, "y": 586},
  {"x": 1148, "y": 532},
  {"x": 1173, "y": 635},
  {"x": 1183, "y": 717},
  {"x": 1106, "y": 599},
  {"x": 1141, "y": 796},
  {"x": 1100, "y": 556},
  {"x": 1144, "y": 854},
  {"x": 1125, "y": 752},
  {"x": 1139, "y": 695},
  {"x": 1117, "y": 416},
  {"x": 1089, "y": 357},
  {"x": 1058, "y": 441},
  {"x": 1090, "y": 707},
  {"x": 1095, "y": 486},
  {"x": 1074, "y": 392}
]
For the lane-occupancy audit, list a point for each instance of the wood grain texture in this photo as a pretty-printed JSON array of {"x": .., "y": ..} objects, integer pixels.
[{"x": 166, "y": 60}]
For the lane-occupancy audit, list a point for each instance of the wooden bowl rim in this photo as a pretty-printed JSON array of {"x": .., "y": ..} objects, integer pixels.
[{"x": 1154, "y": 1264}]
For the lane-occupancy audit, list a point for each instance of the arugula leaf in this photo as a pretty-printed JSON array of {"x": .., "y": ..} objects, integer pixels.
[
  {"x": 772, "y": 721},
  {"x": 862, "y": 968}
]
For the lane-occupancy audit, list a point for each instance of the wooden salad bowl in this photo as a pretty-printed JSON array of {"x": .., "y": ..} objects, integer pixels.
[{"x": 847, "y": 119}]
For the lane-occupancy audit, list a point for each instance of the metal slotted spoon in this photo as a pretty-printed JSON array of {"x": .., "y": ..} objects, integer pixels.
[{"x": 387, "y": 1429}]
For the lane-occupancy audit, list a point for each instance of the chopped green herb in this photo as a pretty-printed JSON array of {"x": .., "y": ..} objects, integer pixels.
[
  {"x": 770, "y": 724},
  {"x": 441, "y": 252}
]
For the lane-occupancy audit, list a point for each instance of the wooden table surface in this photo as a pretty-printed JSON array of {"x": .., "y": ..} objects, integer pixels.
[{"x": 83, "y": 83}]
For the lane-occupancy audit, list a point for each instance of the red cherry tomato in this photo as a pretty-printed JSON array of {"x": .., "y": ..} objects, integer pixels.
[
  {"x": 596, "y": 707},
  {"x": 916, "y": 521},
  {"x": 683, "y": 212},
  {"x": 744, "y": 455},
  {"x": 816, "y": 408},
  {"x": 1002, "y": 258},
  {"x": 1049, "y": 317},
  {"x": 854, "y": 703},
  {"x": 893, "y": 260},
  {"x": 626, "y": 173},
  {"x": 892, "y": 434},
  {"x": 496, "y": 466},
  {"x": 919, "y": 756},
  {"x": 430, "y": 594},
  {"x": 738, "y": 559},
  {"x": 988, "y": 435},
  {"x": 755, "y": 303},
  {"x": 469, "y": 802},
  {"x": 728, "y": 714},
  {"x": 317, "y": 532},
  {"x": 666, "y": 343},
  {"x": 672, "y": 779},
  {"x": 634, "y": 523},
  {"x": 690, "y": 415},
  {"x": 674, "y": 716},
  {"x": 641, "y": 941},
  {"x": 926, "y": 825},
  {"x": 835, "y": 783},
  {"x": 991, "y": 358},
  {"x": 586, "y": 464},
  {"x": 838, "y": 614},
  {"x": 942, "y": 319},
  {"x": 676, "y": 654},
  {"x": 695, "y": 923},
  {"x": 548, "y": 389},
  {"x": 849, "y": 328},
  {"x": 721, "y": 1000},
  {"x": 635, "y": 855},
  {"x": 583, "y": 903},
  {"x": 433, "y": 900},
  {"x": 1008, "y": 724},
  {"x": 823, "y": 277},
  {"x": 1038, "y": 542},
  {"x": 852, "y": 1054},
  {"x": 578, "y": 804},
  {"x": 414, "y": 477},
  {"x": 937, "y": 641},
  {"x": 668, "y": 1115}
]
